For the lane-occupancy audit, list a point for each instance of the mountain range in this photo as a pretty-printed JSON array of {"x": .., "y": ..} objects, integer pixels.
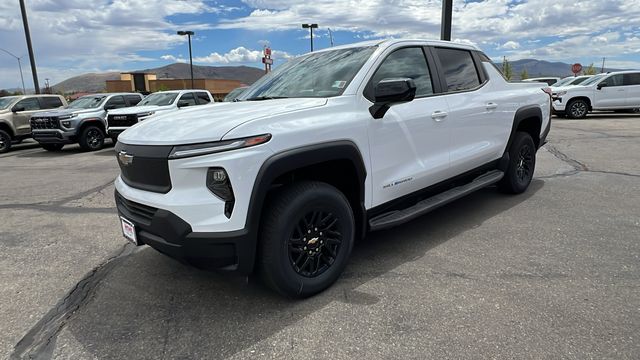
[{"x": 94, "y": 82}]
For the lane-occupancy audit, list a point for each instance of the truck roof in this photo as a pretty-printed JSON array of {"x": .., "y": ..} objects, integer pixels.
[{"x": 390, "y": 42}]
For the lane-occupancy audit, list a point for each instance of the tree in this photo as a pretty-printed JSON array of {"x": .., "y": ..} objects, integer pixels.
[
  {"x": 524, "y": 74},
  {"x": 590, "y": 70},
  {"x": 507, "y": 70}
]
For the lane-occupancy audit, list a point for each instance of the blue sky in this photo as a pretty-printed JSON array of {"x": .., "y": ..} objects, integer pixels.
[{"x": 73, "y": 37}]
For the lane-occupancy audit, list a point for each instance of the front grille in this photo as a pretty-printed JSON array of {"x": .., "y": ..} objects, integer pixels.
[
  {"x": 122, "y": 120},
  {"x": 145, "y": 167},
  {"x": 44, "y": 122},
  {"x": 135, "y": 211}
]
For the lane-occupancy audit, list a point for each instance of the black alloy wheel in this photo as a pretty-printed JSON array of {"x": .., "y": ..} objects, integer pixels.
[
  {"x": 314, "y": 243},
  {"x": 524, "y": 167},
  {"x": 522, "y": 164},
  {"x": 5, "y": 142},
  {"x": 577, "y": 109},
  {"x": 91, "y": 139}
]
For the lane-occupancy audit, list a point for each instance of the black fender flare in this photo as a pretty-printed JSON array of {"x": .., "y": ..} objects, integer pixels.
[
  {"x": 284, "y": 162},
  {"x": 91, "y": 121},
  {"x": 525, "y": 112}
]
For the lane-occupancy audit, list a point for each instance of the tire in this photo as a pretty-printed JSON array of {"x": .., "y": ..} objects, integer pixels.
[
  {"x": 5, "y": 142},
  {"x": 306, "y": 239},
  {"x": 522, "y": 164},
  {"x": 52, "y": 147},
  {"x": 114, "y": 139},
  {"x": 91, "y": 138},
  {"x": 577, "y": 109}
]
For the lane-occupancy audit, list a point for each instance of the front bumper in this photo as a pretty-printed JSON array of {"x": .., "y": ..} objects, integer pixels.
[
  {"x": 172, "y": 236},
  {"x": 114, "y": 132},
  {"x": 558, "y": 105},
  {"x": 54, "y": 136}
]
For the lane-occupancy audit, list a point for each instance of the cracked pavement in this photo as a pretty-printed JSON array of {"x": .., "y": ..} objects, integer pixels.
[{"x": 552, "y": 273}]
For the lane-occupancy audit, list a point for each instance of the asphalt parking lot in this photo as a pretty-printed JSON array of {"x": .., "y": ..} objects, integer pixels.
[{"x": 552, "y": 273}]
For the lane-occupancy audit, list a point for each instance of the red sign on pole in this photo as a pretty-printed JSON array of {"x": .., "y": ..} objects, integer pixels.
[
  {"x": 267, "y": 52},
  {"x": 576, "y": 68}
]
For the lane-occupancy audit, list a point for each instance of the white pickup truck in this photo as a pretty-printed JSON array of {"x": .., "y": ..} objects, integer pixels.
[
  {"x": 160, "y": 102},
  {"x": 327, "y": 147}
]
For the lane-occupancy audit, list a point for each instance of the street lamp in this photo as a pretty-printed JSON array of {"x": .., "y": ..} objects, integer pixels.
[
  {"x": 24, "y": 91},
  {"x": 310, "y": 27},
  {"x": 189, "y": 34}
]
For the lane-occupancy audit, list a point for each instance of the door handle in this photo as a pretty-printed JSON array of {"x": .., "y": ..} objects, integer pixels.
[
  {"x": 491, "y": 106},
  {"x": 439, "y": 115}
]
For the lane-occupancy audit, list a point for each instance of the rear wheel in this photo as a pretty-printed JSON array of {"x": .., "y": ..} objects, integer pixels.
[
  {"x": 522, "y": 163},
  {"x": 306, "y": 238},
  {"x": 577, "y": 109},
  {"x": 5, "y": 141},
  {"x": 52, "y": 147},
  {"x": 91, "y": 138}
]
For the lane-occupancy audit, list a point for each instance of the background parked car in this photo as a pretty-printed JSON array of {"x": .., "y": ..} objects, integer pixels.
[
  {"x": 572, "y": 80},
  {"x": 83, "y": 121},
  {"x": 15, "y": 112},
  {"x": 549, "y": 80},
  {"x": 159, "y": 102}
]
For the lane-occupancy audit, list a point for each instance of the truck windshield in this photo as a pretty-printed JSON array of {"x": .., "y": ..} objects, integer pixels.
[
  {"x": 321, "y": 74},
  {"x": 593, "y": 80},
  {"x": 6, "y": 101},
  {"x": 87, "y": 102},
  {"x": 160, "y": 99}
]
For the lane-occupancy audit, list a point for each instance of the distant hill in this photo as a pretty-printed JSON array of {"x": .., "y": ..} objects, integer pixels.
[
  {"x": 538, "y": 68},
  {"x": 95, "y": 82}
]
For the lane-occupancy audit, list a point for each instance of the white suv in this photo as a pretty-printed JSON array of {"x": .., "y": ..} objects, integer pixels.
[
  {"x": 157, "y": 103},
  {"x": 328, "y": 146},
  {"x": 611, "y": 91}
]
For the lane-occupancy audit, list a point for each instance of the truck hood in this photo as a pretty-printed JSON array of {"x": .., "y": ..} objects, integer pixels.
[
  {"x": 140, "y": 109},
  {"x": 68, "y": 111},
  {"x": 209, "y": 122}
]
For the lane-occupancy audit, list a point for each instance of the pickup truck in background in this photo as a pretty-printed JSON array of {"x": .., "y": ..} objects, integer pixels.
[
  {"x": 83, "y": 121},
  {"x": 327, "y": 147},
  {"x": 156, "y": 103}
]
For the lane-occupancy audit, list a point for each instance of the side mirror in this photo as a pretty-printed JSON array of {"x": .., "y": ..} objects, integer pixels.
[
  {"x": 183, "y": 104},
  {"x": 17, "y": 109},
  {"x": 601, "y": 85},
  {"x": 389, "y": 92}
]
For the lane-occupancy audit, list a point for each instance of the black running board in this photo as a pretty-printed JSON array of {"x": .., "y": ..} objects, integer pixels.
[{"x": 397, "y": 217}]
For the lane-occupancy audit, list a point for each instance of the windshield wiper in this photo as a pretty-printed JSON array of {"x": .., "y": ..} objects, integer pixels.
[{"x": 258, "y": 98}]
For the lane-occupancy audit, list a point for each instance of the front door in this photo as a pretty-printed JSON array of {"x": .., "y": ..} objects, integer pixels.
[
  {"x": 24, "y": 109},
  {"x": 409, "y": 146},
  {"x": 612, "y": 94}
]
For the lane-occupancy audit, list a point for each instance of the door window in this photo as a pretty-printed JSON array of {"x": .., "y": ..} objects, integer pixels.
[
  {"x": 631, "y": 79},
  {"x": 459, "y": 70},
  {"x": 133, "y": 99},
  {"x": 116, "y": 102},
  {"x": 187, "y": 100},
  {"x": 28, "y": 104},
  {"x": 50, "y": 102},
  {"x": 404, "y": 63},
  {"x": 203, "y": 97},
  {"x": 614, "y": 80}
]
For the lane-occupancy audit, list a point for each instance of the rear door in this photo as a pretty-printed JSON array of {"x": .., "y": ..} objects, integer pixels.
[
  {"x": 612, "y": 95},
  {"x": 25, "y": 108},
  {"x": 132, "y": 100},
  {"x": 479, "y": 118},
  {"x": 632, "y": 85},
  {"x": 203, "y": 97},
  {"x": 409, "y": 146}
]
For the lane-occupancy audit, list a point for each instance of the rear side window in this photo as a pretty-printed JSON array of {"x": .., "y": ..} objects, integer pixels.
[
  {"x": 203, "y": 98},
  {"x": 187, "y": 100},
  {"x": 459, "y": 69},
  {"x": 133, "y": 99},
  {"x": 614, "y": 80},
  {"x": 50, "y": 102},
  {"x": 404, "y": 63},
  {"x": 28, "y": 104},
  {"x": 631, "y": 79}
]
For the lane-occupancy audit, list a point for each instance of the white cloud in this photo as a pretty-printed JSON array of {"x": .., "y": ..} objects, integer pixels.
[
  {"x": 511, "y": 45},
  {"x": 173, "y": 58},
  {"x": 240, "y": 55}
]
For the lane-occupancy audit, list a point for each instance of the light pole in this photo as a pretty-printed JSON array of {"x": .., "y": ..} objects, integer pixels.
[
  {"x": 27, "y": 35},
  {"x": 445, "y": 26},
  {"x": 24, "y": 91},
  {"x": 330, "y": 37},
  {"x": 310, "y": 27},
  {"x": 189, "y": 34}
]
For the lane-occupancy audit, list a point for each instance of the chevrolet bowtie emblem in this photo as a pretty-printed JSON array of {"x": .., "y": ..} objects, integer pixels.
[{"x": 124, "y": 158}]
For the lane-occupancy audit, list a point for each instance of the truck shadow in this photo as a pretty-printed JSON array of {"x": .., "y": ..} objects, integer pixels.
[
  {"x": 153, "y": 307},
  {"x": 72, "y": 149}
]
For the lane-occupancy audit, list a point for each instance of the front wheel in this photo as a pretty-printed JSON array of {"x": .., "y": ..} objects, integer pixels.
[
  {"x": 306, "y": 238},
  {"x": 522, "y": 164},
  {"x": 91, "y": 138},
  {"x": 52, "y": 147},
  {"x": 577, "y": 109},
  {"x": 5, "y": 142}
]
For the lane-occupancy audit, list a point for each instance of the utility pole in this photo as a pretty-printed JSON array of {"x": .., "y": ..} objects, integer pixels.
[
  {"x": 24, "y": 91},
  {"x": 330, "y": 37},
  {"x": 310, "y": 27},
  {"x": 445, "y": 27},
  {"x": 602, "y": 70},
  {"x": 27, "y": 34}
]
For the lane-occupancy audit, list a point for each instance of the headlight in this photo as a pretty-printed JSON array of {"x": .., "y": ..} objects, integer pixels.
[
  {"x": 68, "y": 116},
  {"x": 146, "y": 114},
  {"x": 183, "y": 151},
  {"x": 66, "y": 123},
  {"x": 560, "y": 93}
]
